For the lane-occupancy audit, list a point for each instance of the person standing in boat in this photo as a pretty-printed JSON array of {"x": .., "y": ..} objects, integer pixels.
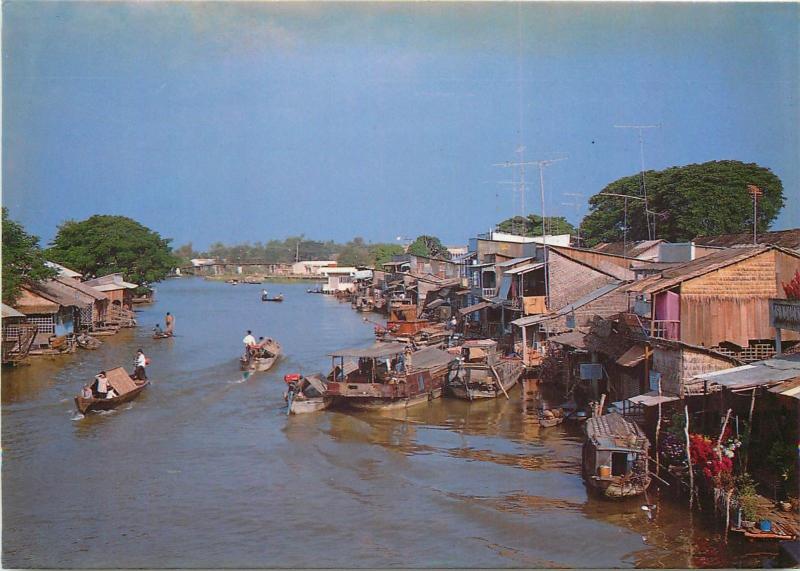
[
  {"x": 101, "y": 382},
  {"x": 139, "y": 373},
  {"x": 249, "y": 344},
  {"x": 169, "y": 321}
]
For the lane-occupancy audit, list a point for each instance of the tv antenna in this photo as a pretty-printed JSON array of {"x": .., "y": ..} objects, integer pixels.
[
  {"x": 541, "y": 163},
  {"x": 640, "y": 129},
  {"x": 577, "y": 204}
]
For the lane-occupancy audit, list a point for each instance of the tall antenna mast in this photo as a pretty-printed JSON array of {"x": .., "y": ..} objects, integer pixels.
[
  {"x": 541, "y": 164},
  {"x": 577, "y": 197},
  {"x": 640, "y": 129}
]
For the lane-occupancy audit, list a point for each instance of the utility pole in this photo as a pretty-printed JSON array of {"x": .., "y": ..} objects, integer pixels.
[
  {"x": 541, "y": 164},
  {"x": 640, "y": 129},
  {"x": 756, "y": 193},
  {"x": 626, "y": 197}
]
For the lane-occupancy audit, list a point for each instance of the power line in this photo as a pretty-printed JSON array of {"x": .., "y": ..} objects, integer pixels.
[{"x": 640, "y": 129}]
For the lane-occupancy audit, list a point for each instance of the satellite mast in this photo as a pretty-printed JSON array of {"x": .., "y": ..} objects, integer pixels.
[{"x": 640, "y": 129}]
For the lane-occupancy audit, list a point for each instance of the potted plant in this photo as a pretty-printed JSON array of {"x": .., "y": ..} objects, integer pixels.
[{"x": 747, "y": 498}]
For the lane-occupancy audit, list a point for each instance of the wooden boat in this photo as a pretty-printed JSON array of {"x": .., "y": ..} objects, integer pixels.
[
  {"x": 306, "y": 394},
  {"x": 161, "y": 335},
  {"x": 126, "y": 388},
  {"x": 233, "y": 281},
  {"x": 483, "y": 373},
  {"x": 267, "y": 298},
  {"x": 263, "y": 359},
  {"x": 387, "y": 376},
  {"x": 777, "y": 532},
  {"x": 551, "y": 417},
  {"x": 615, "y": 456}
]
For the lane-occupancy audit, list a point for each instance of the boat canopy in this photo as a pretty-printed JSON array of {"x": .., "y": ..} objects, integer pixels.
[
  {"x": 316, "y": 382},
  {"x": 614, "y": 432},
  {"x": 375, "y": 352},
  {"x": 120, "y": 381}
]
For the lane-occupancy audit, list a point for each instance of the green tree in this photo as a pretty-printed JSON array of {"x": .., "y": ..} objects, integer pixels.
[
  {"x": 689, "y": 201},
  {"x": 105, "y": 244},
  {"x": 23, "y": 260},
  {"x": 382, "y": 253},
  {"x": 428, "y": 246},
  {"x": 185, "y": 254},
  {"x": 532, "y": 225},
  {"x": 355, "y": 253}
]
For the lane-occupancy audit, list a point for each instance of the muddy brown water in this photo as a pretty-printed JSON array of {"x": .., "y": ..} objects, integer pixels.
[{"x": 206, "y": 470}]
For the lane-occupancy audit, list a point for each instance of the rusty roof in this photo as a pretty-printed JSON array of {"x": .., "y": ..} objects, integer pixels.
[
  {"x": 673, "y": 276},
  {"x": 629, "y": 250},
  {"x": 784, "y": 238}
]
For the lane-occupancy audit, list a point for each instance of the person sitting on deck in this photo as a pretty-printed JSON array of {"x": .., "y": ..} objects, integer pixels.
[
  {"x": 157, "y": 329},
  {"x": 101, "y": 384},
  {"x": 111, "y": 394},
  {"x": 169, "y": 321},
  {"x": 139, "y": 373}
]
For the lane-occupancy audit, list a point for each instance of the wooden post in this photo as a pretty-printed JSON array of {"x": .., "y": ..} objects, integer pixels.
[
  {"x": 721, "y": 432},
  {"x": 750, "y": 427},
  {"x": 524, "y": 345},
  {"x": 658, "y": 426},
  {"x": 646, "y": 383},
  {"x": 689, "y": 458}
]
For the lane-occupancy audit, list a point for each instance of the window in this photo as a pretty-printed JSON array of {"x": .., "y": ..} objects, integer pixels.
[{"x": 619, "y": 463}]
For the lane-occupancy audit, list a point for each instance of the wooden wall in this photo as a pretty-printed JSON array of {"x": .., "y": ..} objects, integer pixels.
[{"x": 731, "y": 304}]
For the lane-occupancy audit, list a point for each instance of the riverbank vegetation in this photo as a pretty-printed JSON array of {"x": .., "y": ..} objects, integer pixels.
[{"x": 23, "y": 259}]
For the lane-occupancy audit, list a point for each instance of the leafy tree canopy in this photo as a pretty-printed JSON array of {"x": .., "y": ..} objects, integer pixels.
[
  {"x": 105, "y": 244},
  {"x": 23, "y": 260},
  {"x": 532, "y": 225},
  {"x": 382, "y": 253},
  {"x": 428, "y": 246},
  {"x": 689, "y": 201},
  {"x": 355, "y": 253}
]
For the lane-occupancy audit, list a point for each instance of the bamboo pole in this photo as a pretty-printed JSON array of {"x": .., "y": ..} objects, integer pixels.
[
  {"x": 722, "y": 432},
  {"x": 689, "y": 458},
  {"x": 658, "y": 424},
  {"x": 750, "y": 427}
]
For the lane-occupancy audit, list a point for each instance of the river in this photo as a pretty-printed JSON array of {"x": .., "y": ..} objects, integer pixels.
[{"x": 206, "y": 470}]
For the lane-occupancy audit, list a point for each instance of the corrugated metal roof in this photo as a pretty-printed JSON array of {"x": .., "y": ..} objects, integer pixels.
[
  {"x": 790, "y": 388},
  {"x": 375, "y": 352},
  {"x": 476, "y": 307},
  {"x": 673, "y": 276},
  {"x": 524, "y": 269},
  {"x": 82, "y": 287},
  {"x": 652, "y": 399},
  {"x": 632, "y": 356},
  {"x": 612, "y": 430},
  {"x": 784, "y": 238},
  {"x": 513, "y": 262},
  {"x": 630, "y": 249},
  {"x": 760, "y": 373},
  {"x": 571, "y": 339},
  {"x": 9, "y": 311},
  {"x": 588, "y": 298}
]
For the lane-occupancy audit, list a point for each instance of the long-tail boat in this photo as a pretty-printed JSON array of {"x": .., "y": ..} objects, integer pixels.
[
  {"x": 262, "y": 358},
  {"x": 484, "y": 373},
  {"x": 388, "y": 376},
  {"x": 126, "y": 388},
  {"x": 615, "y": 456}
]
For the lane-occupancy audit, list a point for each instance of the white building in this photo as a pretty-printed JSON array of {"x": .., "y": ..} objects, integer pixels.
[
  {"x": 311, "y": 267},
  {"x": 339, "y": 279}
]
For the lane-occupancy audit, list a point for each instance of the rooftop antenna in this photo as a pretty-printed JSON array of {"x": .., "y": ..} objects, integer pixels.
[
  {"x": 577, "y": 205},
  {"x": 640, "y": 129},
  {"x": 541, "y": 164}
]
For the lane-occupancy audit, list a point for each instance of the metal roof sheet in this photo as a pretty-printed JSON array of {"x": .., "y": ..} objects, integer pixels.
[
  {"x": 570, "y": 338},
  {"x": 652, "y": 399},
  {"x": 82, "y": 287},
  {"x": 375, "y": 352},
  {"x": 477, "y": 307},
  {"x": 790, "y": 388},
  {"x": 632, "y": 356},
  {"x": 525, "y": 269},
  {"x": 513, "y": 262},
  {"x": 760, "y": 373},
  {"x": 9, "y": 311}
]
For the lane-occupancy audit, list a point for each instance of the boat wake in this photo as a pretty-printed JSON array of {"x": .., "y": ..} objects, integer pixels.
[{"x": 77, "y": 416}]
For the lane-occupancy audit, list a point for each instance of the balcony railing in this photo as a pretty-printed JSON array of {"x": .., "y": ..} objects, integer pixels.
[
  {"x": 489, "y": 291},
  {"x": 665, "y": 329}
]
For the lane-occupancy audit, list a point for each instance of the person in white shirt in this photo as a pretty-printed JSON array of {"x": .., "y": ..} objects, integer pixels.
[
  {"x": 141, "y": 362},
  {"x": 249, "y": 344},
  {"x": 102, "y": 384}
]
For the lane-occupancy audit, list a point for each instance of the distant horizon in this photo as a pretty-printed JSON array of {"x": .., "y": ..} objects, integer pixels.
[{"x": 234, "y": 121}]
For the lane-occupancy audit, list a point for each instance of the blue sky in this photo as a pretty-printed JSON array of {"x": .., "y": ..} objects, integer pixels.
[{"x": 250, "y": 121}]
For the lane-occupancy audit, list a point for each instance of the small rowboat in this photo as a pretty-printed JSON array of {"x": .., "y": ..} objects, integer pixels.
[
  {"x": 276, "y": 298},
  {"x": 162, "y": 335},
  {"x": 264, "y": 359},
  {"x": 126, "y": 388}
]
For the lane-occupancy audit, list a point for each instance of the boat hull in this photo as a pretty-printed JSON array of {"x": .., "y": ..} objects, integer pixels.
[
  {"x": 85, "y": 405},
  {"x": 258, "y": 365},
  {"x": 310, "y": 405},
  {"x": 376, "y": 403}
]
